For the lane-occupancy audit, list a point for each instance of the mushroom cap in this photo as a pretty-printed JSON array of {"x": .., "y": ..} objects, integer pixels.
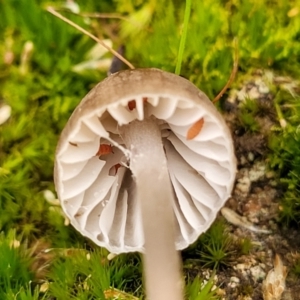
[{"x": 91, "y": 174}]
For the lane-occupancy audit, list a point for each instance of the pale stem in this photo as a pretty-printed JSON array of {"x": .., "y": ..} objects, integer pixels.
[{"x": 149, "y": 167}]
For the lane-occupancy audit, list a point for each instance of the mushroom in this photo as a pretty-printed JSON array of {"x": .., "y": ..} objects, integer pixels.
[{"x": 144, "y": 164}]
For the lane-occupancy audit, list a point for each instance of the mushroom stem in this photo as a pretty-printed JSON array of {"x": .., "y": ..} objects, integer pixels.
[{"x": 149, "y": 167}]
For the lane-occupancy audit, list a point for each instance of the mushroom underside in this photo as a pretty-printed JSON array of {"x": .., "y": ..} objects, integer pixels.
[{"x": 98, "y": 193}]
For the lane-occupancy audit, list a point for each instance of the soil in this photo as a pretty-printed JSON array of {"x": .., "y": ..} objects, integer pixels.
[{"x": 256, "y": 197}]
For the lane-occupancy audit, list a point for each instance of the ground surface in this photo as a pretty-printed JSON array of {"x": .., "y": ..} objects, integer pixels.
[
  {"x": 46, "y": 69},
  {"x": 256, "y": 197}
]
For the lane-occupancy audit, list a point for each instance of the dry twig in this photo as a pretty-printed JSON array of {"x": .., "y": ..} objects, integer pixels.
[
  {"x": 115, "y": 53},
  {"x": 232, "y": 74}
]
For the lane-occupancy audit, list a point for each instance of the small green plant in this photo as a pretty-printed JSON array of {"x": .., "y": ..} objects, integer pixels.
[
  {"x": 245, "y": 289},
  {"x": 14, "y": 265},
  {"x": 250, "y": 106},
  {"x": 296, "y": 268},
  {"x": 127, "y": 273},
  {"x": 245, "y": 246},
  {"x": 248, "y": 112},
  {"x": 290, "y": 205},
  {"x": 215, "y": 247},
  {"x": 285, "y": 156},
  {"x": 27, "y": 293},
  {"x": 198, "y": 289},
  {"x": 84, "y": 275}
]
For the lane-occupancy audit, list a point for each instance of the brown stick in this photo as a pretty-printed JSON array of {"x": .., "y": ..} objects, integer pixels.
[
  {"x": 95, "y": 15},
  {"x": 233, "y": 72},
  {"x": 115, "y": 53}
]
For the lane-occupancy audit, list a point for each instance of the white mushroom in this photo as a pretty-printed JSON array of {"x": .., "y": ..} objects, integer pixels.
[{"x": 133, "y": 134}]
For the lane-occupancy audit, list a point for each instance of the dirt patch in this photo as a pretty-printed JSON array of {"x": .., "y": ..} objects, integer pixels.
[{"x": 256, "y": 196}]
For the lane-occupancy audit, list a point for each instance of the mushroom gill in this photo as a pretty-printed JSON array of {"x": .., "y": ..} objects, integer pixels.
[{"x": 92, "y": 175}]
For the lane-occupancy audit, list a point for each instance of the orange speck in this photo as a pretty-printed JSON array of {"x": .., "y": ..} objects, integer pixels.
[
  {"x": 195, "y": 129},
  {"x": 132, "y": 104},
  {"x": 104, "y": 149},
  {"x": 114, "y": 169},
  {"x": 117, "y": 166}
]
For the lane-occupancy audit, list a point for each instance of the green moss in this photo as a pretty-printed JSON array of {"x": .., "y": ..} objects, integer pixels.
[
  {"x": 14, "y": 265},
  {"x": 86, "y": 275},
  {"x": 214, "y": 248},
  {"x": 296, "y": 268},
  {"x": 267, "y": 37},
  {"x": 246, "y": 289},
  {"x": 245, "y": 246},
  {"x": 285, "y": 155},
  {"x": 202, "y": 290}
]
